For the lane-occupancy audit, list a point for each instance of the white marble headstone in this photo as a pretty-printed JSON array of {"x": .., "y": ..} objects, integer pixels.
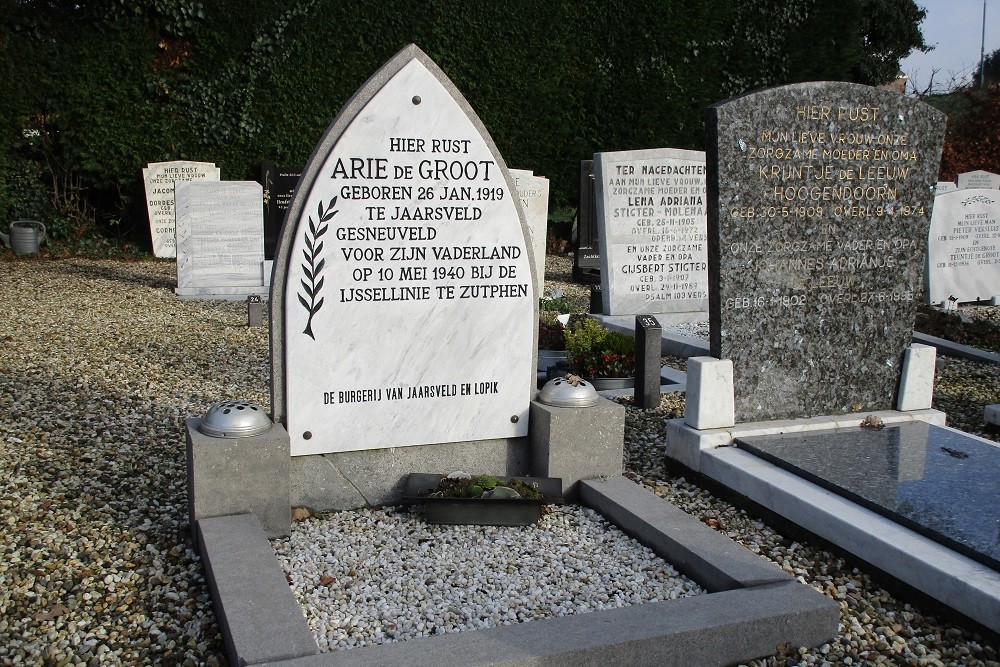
[
  {"x": 159, "y": 179},
  {"x": 978, "y": 180},
  {"x": 220, "y": 238},
  {"x": 407, "y": 300},
  {"x": 534, "y": 194},
  {"x": 963, "y": 250},
  {"x": 652, "y": 222},
  {"x": 943, "y": 187}
]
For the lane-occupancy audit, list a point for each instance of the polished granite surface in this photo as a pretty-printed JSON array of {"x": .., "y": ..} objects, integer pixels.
[{"x": 939, "y": 482}]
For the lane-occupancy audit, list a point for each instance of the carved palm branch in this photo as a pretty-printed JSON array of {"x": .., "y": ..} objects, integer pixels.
[{"x": 314, "y": 263}]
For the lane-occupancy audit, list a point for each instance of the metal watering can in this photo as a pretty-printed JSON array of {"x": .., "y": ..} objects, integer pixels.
[{"x": 25, "y": 235}]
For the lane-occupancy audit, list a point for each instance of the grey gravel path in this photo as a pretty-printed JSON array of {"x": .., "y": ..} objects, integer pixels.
[{"x": 100, "y": 364}]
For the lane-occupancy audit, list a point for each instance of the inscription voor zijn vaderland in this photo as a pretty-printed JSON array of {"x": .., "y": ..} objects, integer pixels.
[
  {"x": 408, "y": 296},
  {"x": 819, "y": 203}
]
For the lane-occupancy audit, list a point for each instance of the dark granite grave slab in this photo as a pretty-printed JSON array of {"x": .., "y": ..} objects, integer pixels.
[
  {"x": 279, "y": 186},
  {"x": 819, "y": 200},
  {"x": 587, "y": 259},
  {"x": 936, "y": 481}
]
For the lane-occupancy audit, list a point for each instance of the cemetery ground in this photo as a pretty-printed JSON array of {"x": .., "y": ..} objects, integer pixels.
[{"x": 101, "y": 364}]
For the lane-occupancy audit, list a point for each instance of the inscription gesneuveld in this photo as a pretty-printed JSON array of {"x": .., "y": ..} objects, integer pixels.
[{"x": 847, "y": 167}]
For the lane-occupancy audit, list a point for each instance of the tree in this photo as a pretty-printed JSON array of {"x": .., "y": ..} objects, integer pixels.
[
  {"x": 890, "y": 31},
  {"x": 989, "y": 70},
  {"x": 103, "y": 87},
  {"x": 973, "y": 139}
]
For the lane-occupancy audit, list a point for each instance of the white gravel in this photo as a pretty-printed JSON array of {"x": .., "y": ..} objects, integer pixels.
[
  {"x": 378, "y": 576},
  {"x": 99, "y": 366}
]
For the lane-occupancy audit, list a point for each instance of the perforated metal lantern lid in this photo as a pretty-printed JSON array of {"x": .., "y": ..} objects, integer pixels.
[
  {"x": 235, "y": 419},
  {"x": 568, "y": 392}
]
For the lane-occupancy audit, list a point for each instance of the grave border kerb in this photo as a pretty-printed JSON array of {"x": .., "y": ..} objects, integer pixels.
[
  {"x": 311, "y": 173},
  {"x": 752, "y": 607}
]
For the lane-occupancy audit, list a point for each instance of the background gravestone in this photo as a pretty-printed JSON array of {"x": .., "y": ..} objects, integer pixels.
[
  {"x": 533, "y": 192},
  {"x": 279, "y": 186},
  {"x": 159, "y": 179},
  {"x": 978, "y": 180},
  {"x": 944, "y": 186},
  {"x": 819, "y": 202},
  {"x": 963, "y": 255},
  {"x": 404, "y": 310},
  {"x": 652, "y": 225},
  {"x": 587, "y": 258},
  {"x": 220, "y": 239}
]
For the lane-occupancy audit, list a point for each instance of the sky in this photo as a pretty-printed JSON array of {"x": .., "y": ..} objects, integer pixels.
[{"x": 955, "y": 29}]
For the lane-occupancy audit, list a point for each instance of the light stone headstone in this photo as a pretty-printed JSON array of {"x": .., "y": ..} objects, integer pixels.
[
  {"x": 944, "y": 186},
  {"x": 651, "y": 214},
  {"x": 963, "y": 253},
  {"x": 220, "y": 239},
  {"x": 534, "y": 194},
  {"x": 159, "y": 179},
  {"x": 978, "y": 180},
  {"x": 819, "y": 203},
  {"x": 403, "y": 303}
]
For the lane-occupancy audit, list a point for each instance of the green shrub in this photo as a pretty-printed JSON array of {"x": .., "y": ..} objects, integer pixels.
[
  {"x": 597, "y": 352},
  {"x": 239, "y": 83}
]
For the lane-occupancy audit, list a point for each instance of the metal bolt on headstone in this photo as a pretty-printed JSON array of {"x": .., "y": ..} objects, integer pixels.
[
  {"x": 648, "y": 333},
  {"x": 255, "y": 311}
]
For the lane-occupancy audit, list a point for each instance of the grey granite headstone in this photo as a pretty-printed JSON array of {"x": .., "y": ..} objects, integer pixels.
[
  {"x": 651, "y": 221},
  {"x": 819, "y": 201},
  {"x": 963, "y": 253},
  {"x": 978, "y": 180}
]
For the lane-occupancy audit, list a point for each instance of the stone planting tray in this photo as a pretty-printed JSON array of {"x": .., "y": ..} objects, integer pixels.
[
  {"x": 751, "y": 608},
  {"x": 481, "y": 511}
]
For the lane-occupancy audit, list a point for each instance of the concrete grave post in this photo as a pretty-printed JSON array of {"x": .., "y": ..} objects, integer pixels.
[{"x": 647, "y": 361}]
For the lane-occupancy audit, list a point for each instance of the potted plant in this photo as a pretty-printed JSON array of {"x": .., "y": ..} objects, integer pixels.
[{"x": 605, "y": 358}]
